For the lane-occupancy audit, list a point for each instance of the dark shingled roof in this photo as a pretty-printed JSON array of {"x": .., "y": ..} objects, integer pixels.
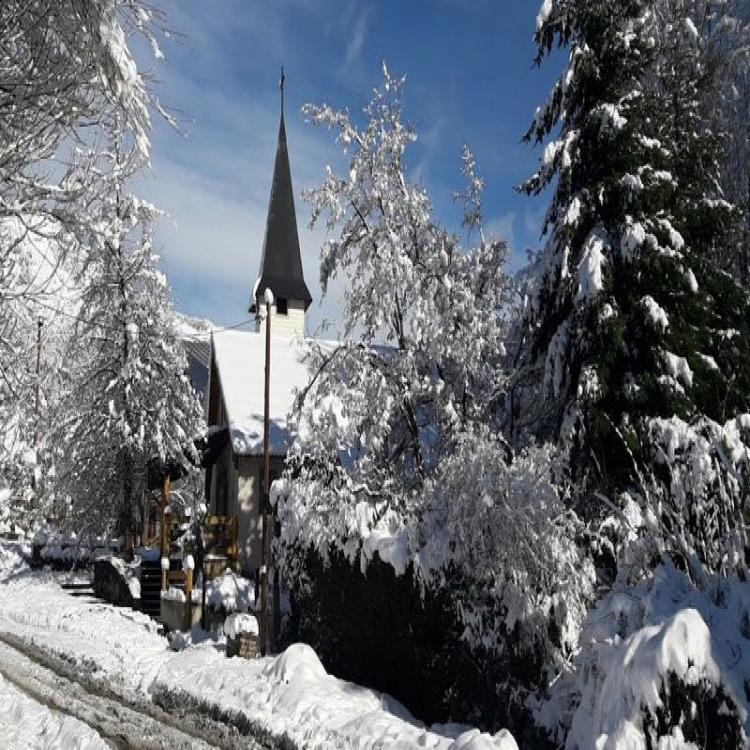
[{"x": 281, "y": 264}]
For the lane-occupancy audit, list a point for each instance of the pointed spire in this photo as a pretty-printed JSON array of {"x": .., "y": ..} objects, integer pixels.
[{"x": 281, "y": 263}]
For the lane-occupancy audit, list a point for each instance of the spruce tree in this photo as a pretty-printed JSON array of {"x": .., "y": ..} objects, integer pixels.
[
  {"x": 640, "y": 343},
  {"x": 129, "y": 401}
]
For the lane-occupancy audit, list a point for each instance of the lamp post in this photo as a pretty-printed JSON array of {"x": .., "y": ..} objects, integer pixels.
[{"x": 268, "y": 299}]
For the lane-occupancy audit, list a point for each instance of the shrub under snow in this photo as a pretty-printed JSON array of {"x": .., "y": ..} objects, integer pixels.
[{"x": 662, "y": 664}]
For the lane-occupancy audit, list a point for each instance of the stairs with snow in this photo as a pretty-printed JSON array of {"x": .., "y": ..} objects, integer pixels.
[
  {"x": 79, "y": 589},
  {"x": 151, "y": 588}
]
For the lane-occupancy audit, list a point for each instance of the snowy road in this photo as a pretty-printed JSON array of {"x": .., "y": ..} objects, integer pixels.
[
  {"x": 42, "y": 708},
  {"x": 27, "y": 723}
]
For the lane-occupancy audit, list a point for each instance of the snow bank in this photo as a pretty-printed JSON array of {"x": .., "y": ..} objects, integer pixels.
[
  {"x": 289, "y": 696},
  {"x": 639, "y": 668},
  {"x": 114, "y": 645}
]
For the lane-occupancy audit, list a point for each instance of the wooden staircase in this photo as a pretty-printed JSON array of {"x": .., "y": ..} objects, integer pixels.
[{"x": 151, "y": 588}]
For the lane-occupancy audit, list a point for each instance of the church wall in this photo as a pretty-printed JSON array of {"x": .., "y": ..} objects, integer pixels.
[
  {"x": 249, "y": 479},
  {"x": 248, "y": 531},
  {"x": 224, "y": 470},
  {"x": 291, "y": 325}
]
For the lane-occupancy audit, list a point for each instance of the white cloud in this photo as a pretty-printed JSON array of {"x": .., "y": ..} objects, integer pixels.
[{"x": 357, "y": 40}]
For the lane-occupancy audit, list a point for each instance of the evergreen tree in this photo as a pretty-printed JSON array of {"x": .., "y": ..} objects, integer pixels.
[
  {"x": 129, "y": 401},
  {"x": 640, "y": 342}
]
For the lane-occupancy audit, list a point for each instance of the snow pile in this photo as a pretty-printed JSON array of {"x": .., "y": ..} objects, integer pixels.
[
  {"x": 643, "y": 644},
  {"x": 130, "y": 572},
  {"x": 240, "y": 623},
  {"x": 175, "y": 594},
  {"x": 230, "y": 592},
  {"x": 291, "y": 696}
]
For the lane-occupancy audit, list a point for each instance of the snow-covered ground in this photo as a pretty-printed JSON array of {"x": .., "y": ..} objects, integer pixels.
[
  {"x": 26, "y": 723},
  {"x": 45, "y": 709},
  {"x": 288, "y": 697}
]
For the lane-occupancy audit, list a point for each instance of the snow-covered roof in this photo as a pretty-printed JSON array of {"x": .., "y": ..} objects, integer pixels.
[{"x": 240, "y": 358}]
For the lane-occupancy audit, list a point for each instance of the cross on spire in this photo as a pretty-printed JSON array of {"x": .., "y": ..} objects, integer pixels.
[{"x": 281, "y": 88}]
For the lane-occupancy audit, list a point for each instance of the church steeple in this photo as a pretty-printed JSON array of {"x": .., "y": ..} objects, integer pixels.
[{"x": 281, "y": 263}]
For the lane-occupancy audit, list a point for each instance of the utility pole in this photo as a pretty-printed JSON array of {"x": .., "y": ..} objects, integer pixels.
[
  {"x": 37, "y": 396},
  {"x": 265, "y": 496},
  {"x": 37, "y": 405}
]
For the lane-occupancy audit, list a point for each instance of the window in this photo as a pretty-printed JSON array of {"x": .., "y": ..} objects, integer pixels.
[{"x": 282, "y": 306}]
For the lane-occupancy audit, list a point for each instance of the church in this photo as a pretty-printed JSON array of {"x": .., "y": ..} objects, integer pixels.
[{"x": 235, "y": 389}]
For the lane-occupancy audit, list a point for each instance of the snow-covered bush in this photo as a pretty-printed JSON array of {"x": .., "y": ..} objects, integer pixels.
[
  {"x": 701, "y": 483},
  {"x": 661, "y": 662},
  {"x": 230, "y": 593},
  {"x": 504, "y": 528}
]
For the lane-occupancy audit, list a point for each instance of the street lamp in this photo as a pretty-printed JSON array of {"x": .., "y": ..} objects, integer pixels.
[{"x": 265, "y": 497}]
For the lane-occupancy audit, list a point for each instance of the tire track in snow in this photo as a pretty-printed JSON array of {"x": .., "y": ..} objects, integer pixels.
[{"x": 121, "y": 725}]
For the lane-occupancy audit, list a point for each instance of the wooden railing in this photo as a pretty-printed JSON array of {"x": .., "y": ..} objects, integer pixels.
[{"x": 220, "y": 537}]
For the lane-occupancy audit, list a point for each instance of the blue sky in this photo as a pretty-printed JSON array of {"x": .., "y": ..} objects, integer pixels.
[{"x": 470, "y": 79}]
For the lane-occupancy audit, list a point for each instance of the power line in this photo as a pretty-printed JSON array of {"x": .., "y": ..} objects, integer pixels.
[{"x": 195, "y": 336}]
